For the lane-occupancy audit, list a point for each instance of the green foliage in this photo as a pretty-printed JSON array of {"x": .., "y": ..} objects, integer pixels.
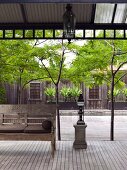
[
  {"x": 65, "y": 92},
  {"x": 2, "y": 96},
  {"x": 116, "y": 92},
  {"x": 75, "y": 92},
  {"x": 22, "y": 61},
  {"x": 70, "y": 93},
  {"x": 92, "y": 63},
  {"x": 17, "y": 62},
  {"x": 50, "y": 93},
  {"x": 49, "y": 57},
  {"x": 124, "y": 91}
]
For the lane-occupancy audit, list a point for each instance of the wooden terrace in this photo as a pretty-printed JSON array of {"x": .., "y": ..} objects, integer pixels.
[{"x": 101, "y": 154}]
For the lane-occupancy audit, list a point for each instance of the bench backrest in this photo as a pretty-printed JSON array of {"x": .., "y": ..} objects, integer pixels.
[{"x": 27, "y": 113}]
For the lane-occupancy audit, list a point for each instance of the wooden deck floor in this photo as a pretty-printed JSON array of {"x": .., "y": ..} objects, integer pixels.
[{"x": 100, "y": 155}]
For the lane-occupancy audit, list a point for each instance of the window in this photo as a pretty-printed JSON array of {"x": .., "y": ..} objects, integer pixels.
[
  {"x": 94, "y": 93},
  {"x": 35, "y": 89}
]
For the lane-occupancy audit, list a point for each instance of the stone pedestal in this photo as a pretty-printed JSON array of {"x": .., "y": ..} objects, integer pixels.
[{"x": 80, "y": 137}]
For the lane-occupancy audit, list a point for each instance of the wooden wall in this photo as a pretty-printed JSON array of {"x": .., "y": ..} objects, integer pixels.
[{"x": 100, "y": 103}]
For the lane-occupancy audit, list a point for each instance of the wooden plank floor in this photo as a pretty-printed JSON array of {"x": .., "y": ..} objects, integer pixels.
[
  {"x": 30, "y": 155},
  {"x": 101, "y": 154}
]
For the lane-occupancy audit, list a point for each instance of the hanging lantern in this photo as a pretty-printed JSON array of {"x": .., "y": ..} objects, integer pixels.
[{"x": 69, "y": 22}]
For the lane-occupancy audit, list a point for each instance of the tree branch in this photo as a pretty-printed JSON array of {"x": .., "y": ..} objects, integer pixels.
[
  {"x": 33, "y": 80},
  {"x": 120, "y": 67},
  {"x": 48, "y": 72},
  {"x": 61, "y": 63},
  {"x": 38, "y": 43},
  {"x": 120, "y": 78}
]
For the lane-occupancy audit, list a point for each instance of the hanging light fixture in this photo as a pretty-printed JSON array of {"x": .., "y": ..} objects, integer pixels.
[{"x": 69, "y": 22}]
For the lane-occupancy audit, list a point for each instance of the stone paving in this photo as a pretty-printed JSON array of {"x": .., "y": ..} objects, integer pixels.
[{"x": 98, "y": 127}]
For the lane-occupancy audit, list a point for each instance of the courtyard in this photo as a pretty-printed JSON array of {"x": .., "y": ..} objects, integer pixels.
[{"x": 98, "y": 127}]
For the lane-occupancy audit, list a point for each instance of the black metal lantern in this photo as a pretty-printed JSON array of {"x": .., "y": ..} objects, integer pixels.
[
  {"x": 80, "y": 104},
  {"x": 69, "y": 22}
]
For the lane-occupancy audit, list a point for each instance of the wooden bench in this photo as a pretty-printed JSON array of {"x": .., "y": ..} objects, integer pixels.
[{"x": 28, "y": 122}]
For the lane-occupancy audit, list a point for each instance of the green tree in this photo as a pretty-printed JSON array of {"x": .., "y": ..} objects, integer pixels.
[
  {"x": 21, "y": 65},
  {"x": 99, "y": 62},
  {"x": 2, "y": 95},
  {"x": 51, "y": 57},
  {"x": 4, "y": 69}
]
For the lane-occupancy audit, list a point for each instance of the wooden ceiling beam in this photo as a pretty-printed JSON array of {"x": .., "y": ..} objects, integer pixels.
[
  {"x": 63, "y": 1},
  {"x": 11, "y": 26}
]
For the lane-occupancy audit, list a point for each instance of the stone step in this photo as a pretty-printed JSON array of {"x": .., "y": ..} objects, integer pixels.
[{"x": 94, "y": 112}]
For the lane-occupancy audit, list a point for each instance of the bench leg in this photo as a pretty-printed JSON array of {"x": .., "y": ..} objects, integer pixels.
[{"x": 53, "y": 146}]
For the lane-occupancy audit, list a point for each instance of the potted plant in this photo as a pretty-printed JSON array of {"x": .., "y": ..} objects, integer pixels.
[
  {"x": 70, "y": 97},
  {"x": 50, "y": 93},
  {"x": 119, "y": 105},
  {"x": 65, "y": 92},
  {"x": 75, "y": 92}
]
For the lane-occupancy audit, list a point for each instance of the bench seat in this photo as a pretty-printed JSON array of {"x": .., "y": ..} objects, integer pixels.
[
  {"x": 17, "y": 128},
  {"x": 13, "y": 128},
  {"x": 36, "y": 129}
]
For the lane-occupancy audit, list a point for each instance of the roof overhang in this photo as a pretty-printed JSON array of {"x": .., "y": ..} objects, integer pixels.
[
  {"x": 48, "y": 15},
  {"x": 63, "y": 1}
]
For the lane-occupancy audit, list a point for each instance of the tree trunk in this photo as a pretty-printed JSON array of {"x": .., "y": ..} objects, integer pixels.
[
  {"x": 20, "y": 90},
  {"x": 112, "y": 110},
  {"x": 19, "y": 95},
  {"x": 57, "y": 112}
]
